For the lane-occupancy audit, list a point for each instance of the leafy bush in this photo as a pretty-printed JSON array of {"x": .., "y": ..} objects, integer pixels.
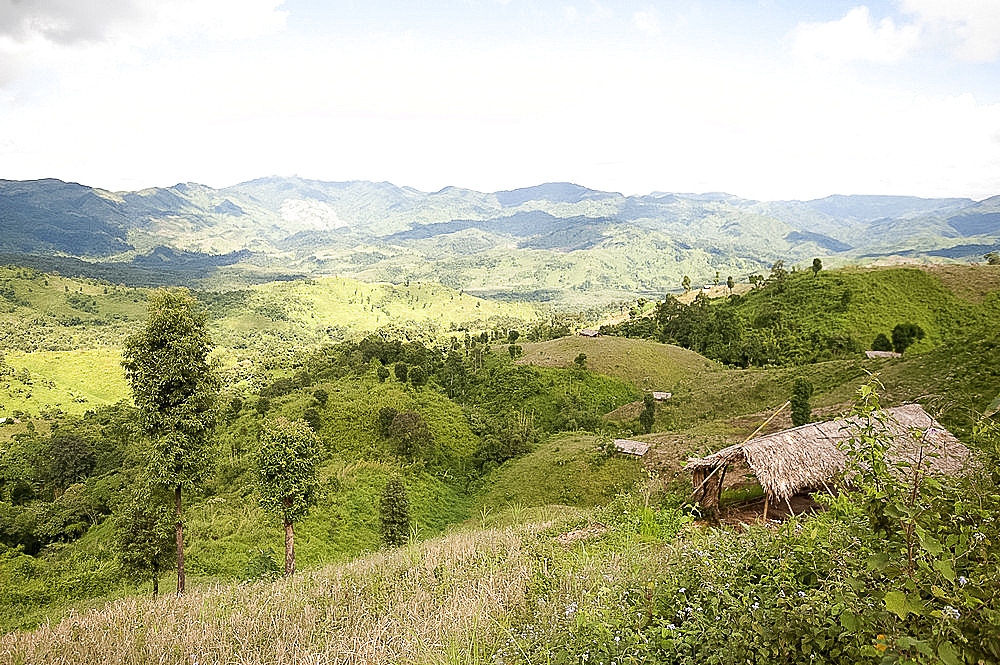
[{"x": 394, "y": 513}]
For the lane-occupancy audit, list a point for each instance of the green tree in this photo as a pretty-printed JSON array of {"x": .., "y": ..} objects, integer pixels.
[
  {"x": 686, "y": 283},
  {"x": 71, "y": 459},
  {"x": 881, "y": 343},
  {"x": 904, "y": 335},
  {"x": 313, "y": 417},
  {"x": 286, "y": 475},
  {"x": 418, "y": 376},
  {"x": 730, "y": 283},
  {"x": 382, "y": 373},
  {"x": 580, "y": 361},
  {"x": 385, "y": 417},
  {"x": 648, "y": 415},
  {"x": 394, "y": 514},
  {"x": 411, "y": 435},
  {"x": 143, "y": 539},
  {"x": 401, "y": 371},
  {"x": 817, "y": 266},
  {"x": 993, "y": 258},
  {"x": 174, "y": 387},
  {"x": 802, "y": 391},
  {"x": 778, "y": 271}
]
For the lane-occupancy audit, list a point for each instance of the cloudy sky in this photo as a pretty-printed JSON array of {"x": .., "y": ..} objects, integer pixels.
[{"x": 766, "y": 99}]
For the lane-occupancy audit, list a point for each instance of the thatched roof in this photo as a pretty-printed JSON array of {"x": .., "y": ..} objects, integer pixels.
[
  {"x": 883, "y": 354},
  {"x": 807, "y": 456},
  {"x": 630, "y": 447}
]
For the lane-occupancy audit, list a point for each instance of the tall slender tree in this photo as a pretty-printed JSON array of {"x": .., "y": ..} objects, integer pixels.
[
  {"x": 802, "y": 391},
  {"x": 174, "y": 386},
  {"x": 286, "y": 475}
]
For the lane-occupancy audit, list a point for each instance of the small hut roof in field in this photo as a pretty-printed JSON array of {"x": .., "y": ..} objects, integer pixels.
[
  {"x": 660, "y": 397},
  {"x": 883, "y": 354},
  {"x": 808, "y": 456},
  {"x": 630, "y": 447},
  {"x": 590, "y": 332}
]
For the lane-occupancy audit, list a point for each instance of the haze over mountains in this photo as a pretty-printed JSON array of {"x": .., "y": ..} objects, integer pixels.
[{"x": 551, "y": 241}]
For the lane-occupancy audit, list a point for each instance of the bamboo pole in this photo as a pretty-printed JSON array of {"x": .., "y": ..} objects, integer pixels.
[
  {"x": 789, "y": 504},
  {"x": 755, "y": 432}
]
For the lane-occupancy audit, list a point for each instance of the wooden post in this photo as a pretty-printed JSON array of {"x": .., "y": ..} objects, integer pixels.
[
  {"x": 767, "y": 500},
  {"x": 789, "y": 504},
  {"x": 718, "y": 468}
]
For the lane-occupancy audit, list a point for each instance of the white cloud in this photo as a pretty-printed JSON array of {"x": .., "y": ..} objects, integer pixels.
[
  {"x": 647, "y": 22},
  {"x": 854, "y": 37},
  {"x": 971, "y": 28},
  {"x": 43, "y": 34}
]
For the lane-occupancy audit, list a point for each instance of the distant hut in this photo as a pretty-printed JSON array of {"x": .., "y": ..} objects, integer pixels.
[
  {"x": 883, "y": 354},
  {"x": 590, "y": 332},
  {"x": 808, "y": 456},
  {"x": 630, "y": 447},
  {"x": 661, "y": 397}
]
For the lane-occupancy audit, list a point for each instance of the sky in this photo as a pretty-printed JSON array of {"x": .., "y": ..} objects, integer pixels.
[{"x": 764, "y": 99}]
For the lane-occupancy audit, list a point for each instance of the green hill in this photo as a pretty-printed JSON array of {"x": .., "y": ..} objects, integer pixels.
[
  {"x": 645, "y": 364},
  {"x": 520, "y": 443}
]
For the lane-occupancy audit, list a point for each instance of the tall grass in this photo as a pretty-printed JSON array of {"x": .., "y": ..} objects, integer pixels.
[{"x": 440, "y": 601}]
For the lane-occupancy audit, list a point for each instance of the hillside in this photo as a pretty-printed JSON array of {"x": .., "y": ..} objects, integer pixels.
[
  {"x": 645, "y": 364},
  {"x": 511, "y": 481},
  {"x": 556, "y": 242}
]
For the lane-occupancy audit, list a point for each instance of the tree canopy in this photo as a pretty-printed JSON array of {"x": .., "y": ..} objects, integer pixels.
[
  {"x": 286, "y": 475},
  {"x": 174, "y": 386}
]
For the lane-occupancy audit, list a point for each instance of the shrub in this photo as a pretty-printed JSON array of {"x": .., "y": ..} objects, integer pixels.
[{"x": 394, "y": 513}]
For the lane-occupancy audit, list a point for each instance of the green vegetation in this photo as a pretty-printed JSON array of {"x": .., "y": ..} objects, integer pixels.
[
  {"x": 798, "y": 318},
  {"x": 472, "y": 501}
]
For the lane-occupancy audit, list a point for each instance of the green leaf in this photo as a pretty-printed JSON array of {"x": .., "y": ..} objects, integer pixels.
[
  {"x": 901, "y": 605},
  {"x": 945, "y": 568},
  {"x": 929, "y": 542},
  {"x": 948, "y": 654},
  {"x": 877, "y": 561}
]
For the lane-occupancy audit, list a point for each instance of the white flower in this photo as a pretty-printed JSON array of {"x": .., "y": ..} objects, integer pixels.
[
  {"x": 962, "y": 580},
  {"x": 755, "y": 606},
  {"x": 802, "y": 594},
  {"x": 949, "y": 612}
]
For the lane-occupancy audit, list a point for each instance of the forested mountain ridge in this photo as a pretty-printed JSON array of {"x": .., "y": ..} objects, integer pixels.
[{"x": 550, "y": 241}]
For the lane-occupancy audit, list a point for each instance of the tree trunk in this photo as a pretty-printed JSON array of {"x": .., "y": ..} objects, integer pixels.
[
  {"x": 180, "y": 541},
  {"x": 156, "y": 579},
  {"x": 289, "y": 549}
]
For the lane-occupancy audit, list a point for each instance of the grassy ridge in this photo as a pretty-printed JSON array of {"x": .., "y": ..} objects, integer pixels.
[{"x": 645, "y": 364}]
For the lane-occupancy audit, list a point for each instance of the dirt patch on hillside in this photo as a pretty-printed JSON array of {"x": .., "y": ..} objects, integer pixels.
[{"x": 972, "y": 283}]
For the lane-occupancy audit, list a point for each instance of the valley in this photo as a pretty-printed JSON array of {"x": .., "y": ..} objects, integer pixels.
[{"x": 529, "y": 538}]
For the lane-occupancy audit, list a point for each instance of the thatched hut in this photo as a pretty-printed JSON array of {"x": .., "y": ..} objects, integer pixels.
[{"x": 809, "y": 456}]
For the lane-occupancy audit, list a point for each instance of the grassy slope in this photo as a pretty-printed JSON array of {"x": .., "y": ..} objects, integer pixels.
[
  {"x": 710, "y": 407},
  {"x": 72, "y": 381},
  {"x": 349, "y": 308},
  {"x": 645, "y": 364},
  {"x": 568, "y": 469}
]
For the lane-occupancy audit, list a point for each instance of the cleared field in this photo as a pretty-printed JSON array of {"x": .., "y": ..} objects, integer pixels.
[{"x": 73, "y": 381}]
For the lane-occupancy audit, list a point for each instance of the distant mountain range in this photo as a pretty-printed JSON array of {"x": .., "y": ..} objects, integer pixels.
[{"x": 555, "y": 240}]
